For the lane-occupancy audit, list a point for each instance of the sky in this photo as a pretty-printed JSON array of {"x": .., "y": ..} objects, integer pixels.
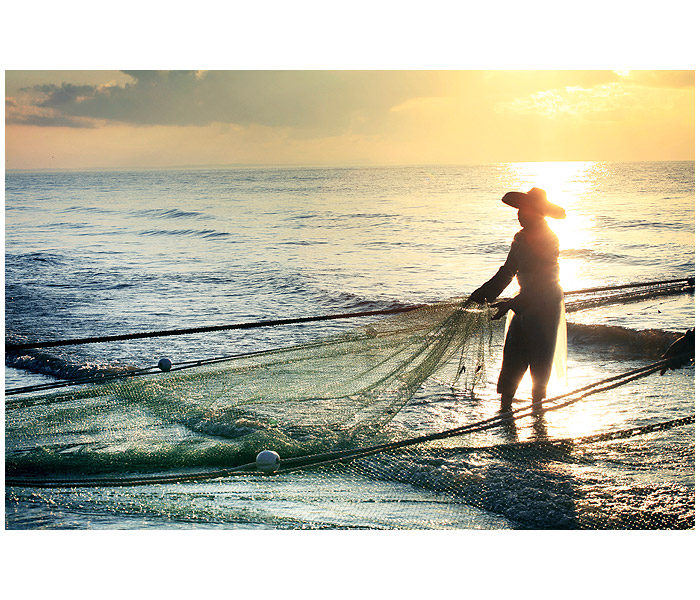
[{"x": 144, "y": 119}]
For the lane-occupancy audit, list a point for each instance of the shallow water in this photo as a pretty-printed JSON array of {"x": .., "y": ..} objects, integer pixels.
[{"x": 100, "y": 253}]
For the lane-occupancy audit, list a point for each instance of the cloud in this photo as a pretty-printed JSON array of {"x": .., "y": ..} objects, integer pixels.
[
  {"x": 573, "y": 101},
  {"x": 660, "y": 79},
  {"x": 519, "y": 83},
  {"x": 634, "y": 94},
  {"x": 40, "y": 112},
  {"x": 325, "y": 102}
]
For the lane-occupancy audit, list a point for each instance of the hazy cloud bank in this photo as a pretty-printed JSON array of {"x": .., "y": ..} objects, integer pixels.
[
  {"x": 332, "y": 102},
  {"x": 312, "y": 102}
]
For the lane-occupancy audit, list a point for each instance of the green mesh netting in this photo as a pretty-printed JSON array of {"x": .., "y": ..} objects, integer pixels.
[
  {"x": 166, "y": 447},
  {"x": 314, "y": 397}
]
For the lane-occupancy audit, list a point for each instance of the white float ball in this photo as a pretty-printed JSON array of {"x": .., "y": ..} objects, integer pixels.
[
  {"x": 164, "y": 364},
  {"x": 268, "y": 461}
]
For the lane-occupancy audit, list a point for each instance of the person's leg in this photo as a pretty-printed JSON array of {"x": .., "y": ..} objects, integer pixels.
[
  {"x": 506, "y": 403},
  {"x": 539, "y": 391},
  {"x": 541, "y": 334},
  {"x": 514, "y": 364}
]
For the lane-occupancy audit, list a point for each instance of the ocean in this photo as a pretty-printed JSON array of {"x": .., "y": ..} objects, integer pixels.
[{"x": 98, "y": 253}]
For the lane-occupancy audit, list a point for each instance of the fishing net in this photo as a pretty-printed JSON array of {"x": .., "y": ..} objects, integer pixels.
[
  {"x": 388, "y": 425},
  {"x": 334, "y": 393}
]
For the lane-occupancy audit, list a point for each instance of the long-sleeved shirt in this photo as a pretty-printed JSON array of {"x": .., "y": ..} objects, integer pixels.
[{"x": 534, "y": 259}]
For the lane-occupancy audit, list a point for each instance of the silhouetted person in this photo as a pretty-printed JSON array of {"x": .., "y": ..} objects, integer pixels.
[{"x": 539, "y": 307}]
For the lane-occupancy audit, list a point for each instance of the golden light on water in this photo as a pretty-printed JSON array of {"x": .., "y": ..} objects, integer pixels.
[
  {"x": 572, "y": 186},
  {"x": 567, "y": 184}
]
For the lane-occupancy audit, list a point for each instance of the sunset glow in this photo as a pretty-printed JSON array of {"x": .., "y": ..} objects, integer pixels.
[{"x": 143, "y": 119}]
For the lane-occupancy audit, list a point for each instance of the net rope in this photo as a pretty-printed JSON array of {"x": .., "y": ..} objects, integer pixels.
[
  {"x": 602, "y": 295},
  {"x": 577, "y": 300}
]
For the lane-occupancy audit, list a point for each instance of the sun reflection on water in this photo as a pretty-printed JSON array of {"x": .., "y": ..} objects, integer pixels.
[{"x": 568, "y": 184}]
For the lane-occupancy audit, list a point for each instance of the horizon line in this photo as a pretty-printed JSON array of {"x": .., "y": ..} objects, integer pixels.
[{"x": 323, "y": 165}]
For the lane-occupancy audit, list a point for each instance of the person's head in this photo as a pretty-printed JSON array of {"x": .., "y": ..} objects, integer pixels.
[
  {"x": 529, "y": 218},
  {"x": 534, "y": 206}
]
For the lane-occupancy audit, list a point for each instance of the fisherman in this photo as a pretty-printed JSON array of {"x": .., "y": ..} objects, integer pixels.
[{"x": 539, "y": 307}]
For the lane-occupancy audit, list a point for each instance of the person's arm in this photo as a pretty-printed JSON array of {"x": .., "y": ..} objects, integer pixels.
[{"x": 499, "y": 282}]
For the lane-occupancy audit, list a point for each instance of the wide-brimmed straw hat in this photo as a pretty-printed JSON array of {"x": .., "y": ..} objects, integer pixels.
[{"x": 536, "y": 200}]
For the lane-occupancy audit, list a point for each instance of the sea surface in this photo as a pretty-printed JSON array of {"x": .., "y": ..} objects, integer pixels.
[{"x": 97, "y": 253}]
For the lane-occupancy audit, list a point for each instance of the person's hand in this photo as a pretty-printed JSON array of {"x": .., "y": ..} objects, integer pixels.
[
  {"x": 501, "y": 309},
  {"x": 477, "y": 296}
]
